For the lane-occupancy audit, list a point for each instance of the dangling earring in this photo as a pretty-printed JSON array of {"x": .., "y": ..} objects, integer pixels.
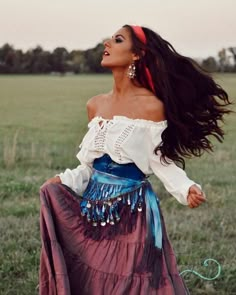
[{"x": 131, "y": 71}]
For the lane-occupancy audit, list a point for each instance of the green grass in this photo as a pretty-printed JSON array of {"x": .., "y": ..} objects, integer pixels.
[{"x": 43, "y": 120}]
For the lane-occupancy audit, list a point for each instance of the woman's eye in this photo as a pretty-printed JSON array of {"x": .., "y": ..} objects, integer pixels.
[{"x": 118, "y": 40}]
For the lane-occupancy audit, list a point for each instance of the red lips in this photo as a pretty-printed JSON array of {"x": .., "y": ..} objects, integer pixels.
[{"x": 106, "y": 53}]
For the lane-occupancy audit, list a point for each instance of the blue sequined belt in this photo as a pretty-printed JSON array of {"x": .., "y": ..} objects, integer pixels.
[{"x": 112, "y": 184}]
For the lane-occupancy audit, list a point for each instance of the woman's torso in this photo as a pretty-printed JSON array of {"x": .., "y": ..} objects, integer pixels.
[{"x": 125, "y": 140}]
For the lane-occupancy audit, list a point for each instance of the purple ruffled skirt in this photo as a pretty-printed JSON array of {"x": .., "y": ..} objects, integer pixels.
[{"x": 80, "y": 259}]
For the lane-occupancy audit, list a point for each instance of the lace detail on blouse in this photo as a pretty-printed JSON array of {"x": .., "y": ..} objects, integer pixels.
[
  {"x": 100, "y": 137},
  {"x": 121, "y": 139}
]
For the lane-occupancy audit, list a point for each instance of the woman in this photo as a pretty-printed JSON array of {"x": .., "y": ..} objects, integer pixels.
[{"x": 101, "y": 224}]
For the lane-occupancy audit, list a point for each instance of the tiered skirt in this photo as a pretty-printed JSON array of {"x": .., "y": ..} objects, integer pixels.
[{"x": 79, "y": 258}]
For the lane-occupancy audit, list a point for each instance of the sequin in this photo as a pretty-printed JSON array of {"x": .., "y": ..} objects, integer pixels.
[
  {"x": 128, "y": 201},
  {"x": 88, "y": 205},
  {"x": 88, "y": 218},
  {"x": 94, "y": 223},
  {"x": 140, "y": 209}
]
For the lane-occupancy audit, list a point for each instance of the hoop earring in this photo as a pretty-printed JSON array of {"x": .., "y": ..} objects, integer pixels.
[{"x": 131, "y": 71}]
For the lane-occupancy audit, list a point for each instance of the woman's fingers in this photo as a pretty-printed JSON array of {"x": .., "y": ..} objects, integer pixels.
[
  {"x": 195, "y": 196},
  {"x": 199, "y": 198},
  {"x": 193, "y": 203},
  {"x": 194, "y": 189},
  {"x": 194, "y": 200},
  {"x": 55, "y": 179}
]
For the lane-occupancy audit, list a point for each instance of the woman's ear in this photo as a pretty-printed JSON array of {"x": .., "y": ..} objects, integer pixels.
[{"x": 136, "y": 57}]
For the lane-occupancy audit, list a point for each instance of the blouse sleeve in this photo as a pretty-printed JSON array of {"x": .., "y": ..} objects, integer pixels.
[
  {"x": 174, "y": 179},
  {"x": 77, "y": 179}
]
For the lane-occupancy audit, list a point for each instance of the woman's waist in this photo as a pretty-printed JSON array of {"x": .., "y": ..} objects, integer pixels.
[
  {"x": 107, "y": 165},
  {"x": 115, "y": 181},
  {"x": 107, "y": 193}
]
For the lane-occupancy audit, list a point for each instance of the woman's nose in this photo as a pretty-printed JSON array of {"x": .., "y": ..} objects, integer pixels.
[{"x": 106, "y": 43}]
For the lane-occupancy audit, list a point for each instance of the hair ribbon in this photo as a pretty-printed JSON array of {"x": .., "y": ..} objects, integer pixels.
[{"x": 139, "y": 33}]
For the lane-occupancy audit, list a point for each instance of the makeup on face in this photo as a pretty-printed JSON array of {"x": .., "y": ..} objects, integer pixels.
[
  {"x": 119, "y": 47},
  {"x": 118, "y": 38}
]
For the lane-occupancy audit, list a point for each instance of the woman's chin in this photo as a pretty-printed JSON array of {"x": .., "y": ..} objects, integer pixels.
[{"x": 105, "y": 64}]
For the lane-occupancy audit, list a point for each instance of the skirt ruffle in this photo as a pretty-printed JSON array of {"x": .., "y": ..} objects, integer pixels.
[{"x": 75, "y": 262}]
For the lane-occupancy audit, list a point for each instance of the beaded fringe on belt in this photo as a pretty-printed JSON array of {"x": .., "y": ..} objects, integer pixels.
[{"x": 106, "y": 194}]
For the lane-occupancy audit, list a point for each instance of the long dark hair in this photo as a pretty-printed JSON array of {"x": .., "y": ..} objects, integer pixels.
[{"x": 194, "y": 102}]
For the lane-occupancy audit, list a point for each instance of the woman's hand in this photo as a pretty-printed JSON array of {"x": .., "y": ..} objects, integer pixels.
[
  {"x": 195, "y": 196},
  {"x": 55, "y": 179}
]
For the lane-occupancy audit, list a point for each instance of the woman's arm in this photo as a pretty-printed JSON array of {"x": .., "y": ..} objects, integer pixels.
[
  {"x": 77, "y": 179},
  {"x": 177, "y": 183}
]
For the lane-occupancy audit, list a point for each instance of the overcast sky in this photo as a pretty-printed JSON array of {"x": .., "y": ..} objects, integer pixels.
[{"x": 197, "y": 28}]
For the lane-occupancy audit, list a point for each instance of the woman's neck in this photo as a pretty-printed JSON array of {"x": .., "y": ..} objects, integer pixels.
[{"x": 122, "y": 86}]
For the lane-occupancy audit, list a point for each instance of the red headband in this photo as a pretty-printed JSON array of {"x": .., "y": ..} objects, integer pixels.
[{"x": 139, "y": 33}]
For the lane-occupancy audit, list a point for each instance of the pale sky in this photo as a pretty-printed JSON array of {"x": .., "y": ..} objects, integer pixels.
[{"x": 197, "y": 28}]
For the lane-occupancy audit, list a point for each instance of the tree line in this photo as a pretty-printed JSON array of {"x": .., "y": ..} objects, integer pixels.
[{"x": 60, "y": 60}]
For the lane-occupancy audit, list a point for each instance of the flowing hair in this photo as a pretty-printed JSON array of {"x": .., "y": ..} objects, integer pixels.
[{"x": 194, "y": 103}]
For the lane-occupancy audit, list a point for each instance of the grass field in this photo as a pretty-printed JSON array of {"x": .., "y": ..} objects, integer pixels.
[{"x": 43, "y": 120}]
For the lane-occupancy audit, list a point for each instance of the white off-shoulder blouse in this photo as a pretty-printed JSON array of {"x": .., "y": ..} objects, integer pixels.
[{"x": 126, "y": 140}]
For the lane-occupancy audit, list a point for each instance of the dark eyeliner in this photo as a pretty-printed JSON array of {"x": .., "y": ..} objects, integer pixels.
[{"x": 118, "y": 40}]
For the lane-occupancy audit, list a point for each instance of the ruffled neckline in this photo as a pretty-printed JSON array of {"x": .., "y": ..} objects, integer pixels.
[{"x": 142, "y": 122}]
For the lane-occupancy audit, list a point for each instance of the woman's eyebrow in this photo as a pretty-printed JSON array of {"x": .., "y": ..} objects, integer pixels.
[{"x": 118, "y": 35}]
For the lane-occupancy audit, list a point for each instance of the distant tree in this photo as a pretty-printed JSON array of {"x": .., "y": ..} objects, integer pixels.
[
  {"x": 17, "y": 61},
  {"x": 28, "y": 60},
  {"x": 59, "y": 59},
  {"x": 232, "y": 50},
  {"x": 77, "y": 61},
  {"x": 222, "y": 59},
  {"x": 210, "y": 64},
  {"x": 40, "y": 62},
  {"x": 7, "y": 53},
  {"x": 4, "y": 50}
]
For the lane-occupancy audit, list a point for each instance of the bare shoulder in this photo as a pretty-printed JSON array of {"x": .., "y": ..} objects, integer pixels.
[
  {"x": 93, "y": 104},
  {"x": 154, "y": 108},
  {"x": 93, "y": 101}
]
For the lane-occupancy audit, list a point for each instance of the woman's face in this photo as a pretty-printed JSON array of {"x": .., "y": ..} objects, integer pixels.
[{"x": 117, "y": 52}]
